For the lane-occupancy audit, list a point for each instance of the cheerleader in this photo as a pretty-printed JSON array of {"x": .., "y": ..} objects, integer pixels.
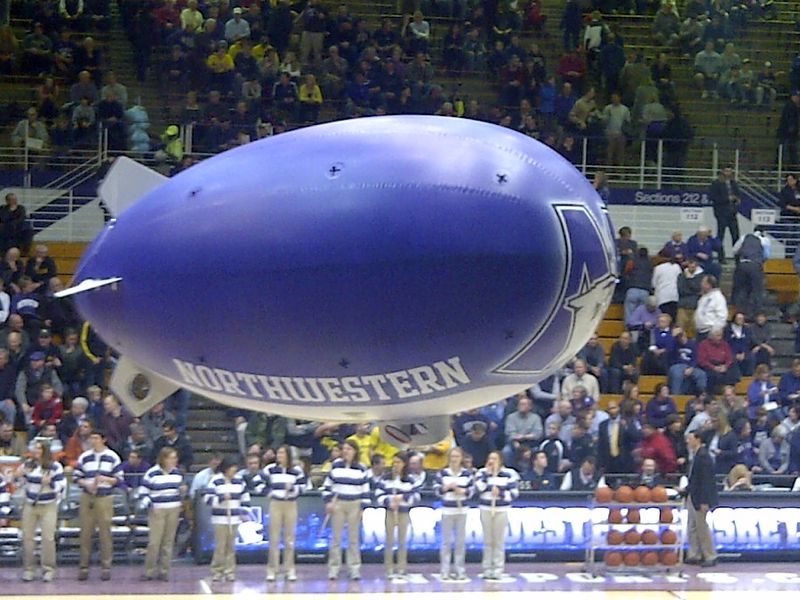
[
  {"x": 454, "y": 485},
  {"x": 397, "y": 492},
  {"x": 228, "y": 497},
  {"x": 160, "y": 493},
  {"x": 5, "y": 499},
  {"x": 345, "y": 493},
  {"x": 44, "y": 483},
  {"x": 497, "y": 486},
  {"x": 283, "y": 482}
]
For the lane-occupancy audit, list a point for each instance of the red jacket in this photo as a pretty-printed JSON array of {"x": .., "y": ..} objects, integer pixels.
[
  {"x": 711, "y": 354},
  {"x": 659, "y": 448},
  {"x": 47, "y": 412}
]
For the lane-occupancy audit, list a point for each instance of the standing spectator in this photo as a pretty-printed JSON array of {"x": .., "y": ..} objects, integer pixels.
[
  {"x": 665, "y": 285},
  {"x": 748, "y": 277},
  {"x": 15, "y": 230},
  {"x": 702, "y": 497},
  {"x": 237, "y": 28},
  {"x": 610, "y": 441},
  {"x": 616, "y": 117},
  {"x": 666, "y": 25},
  {"x": 689, "y": 283},
  {"x": 612, "y": 61},
  {"x": 790, "y": 197},
  {"x": 789, "y": 129},
  {"x": 740, "y": 338},
  {"x": 656, "y": 445},
  {"x": 623, "y": 363},
  {"x": 572, "y": 69},
  {"x": 725, "y": 196},
  {"x": 715, "y": 357},
  {"x": 116, "y": 423},
  {"x": 712, "y": 308},
  {"x": 660, "y": 346},
  {"x": 638, "y": 278},
  {"x": 626, "y": 248},
  {"x": 571, "y": 23},
  {"x": 97, "y": 473},
  {"x": 315, "y": 25}
]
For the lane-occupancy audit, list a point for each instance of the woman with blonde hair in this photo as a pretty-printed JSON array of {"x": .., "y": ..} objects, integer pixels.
[
  {"x": 397, "y": 492},
  {"x": 161, "y": 493},
  {"x": 454, "y": 485},
  {"x": 498, "y": 487},
  {"x": 284, "y": 482},
  {"x": 739, "y": 478},
  {"x": 44, "y": 483}
]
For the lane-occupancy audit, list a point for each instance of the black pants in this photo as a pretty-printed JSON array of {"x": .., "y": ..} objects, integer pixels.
[
  {"x": 748, "y": 287},
  {"x": 670, "y": 308},
  {"x": 729, "y": 222}
]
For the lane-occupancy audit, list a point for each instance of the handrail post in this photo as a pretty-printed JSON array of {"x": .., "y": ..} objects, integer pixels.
[
  {"x": 779, "y": 183},
  {"x": 70, "y": 219},
  {"x": 584, "y": 154},
  {"x": 642, "y": 156},
  {"x": 715, "y": 160},
  {"x": 100, "y": 146},
  {"x": 659, "y": 163},
  {"x": 736, "y": 164}
]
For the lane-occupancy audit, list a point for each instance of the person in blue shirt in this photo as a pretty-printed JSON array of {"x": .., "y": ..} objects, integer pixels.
[
  {"x": 702, "y": 246},
  {"x": 683, "y": 368},
  {"x": 760, "y": 392},
  {"x": 789, "y": 385},
  {"x": 540, "y": 478}
]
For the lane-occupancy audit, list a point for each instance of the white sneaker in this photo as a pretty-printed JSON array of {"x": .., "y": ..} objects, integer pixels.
[
  {"x": 27, "y": 576},
  {"x": 332, "y": 575},
  {"x": 47, "y": 576},
  {"x": 216, "y": 577},
  {"x": 270, "y": 577},
  {"x": 231, "y": 577},
  {"x": 291, "y": 576},
  {"x": 444, "y": 576},
  {"x": 461, "y": 577}
]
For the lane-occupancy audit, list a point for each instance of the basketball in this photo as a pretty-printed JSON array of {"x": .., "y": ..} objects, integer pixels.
[
  {"x": 642, "y": 494},
  {"x": 666, "y": 515},
  {"x": 659, "y": 494},
  {"x": 669, "y": 558},
  {"x": 669, "y": 537},
  {"x": 615, "y": 516},
  {"x": 631, "y": 559},
  {"x": 604, "y": 495},
  {"x": 632, "y": 537},
  {"x": 649, "y": 537},
  {"x": 614, "y": 537},
  {"x": 613, "y": 559},
  {"x": 650, "y": 559},
  {"x": 633, "y": 515},
  {"x": 624, "y": 494}
]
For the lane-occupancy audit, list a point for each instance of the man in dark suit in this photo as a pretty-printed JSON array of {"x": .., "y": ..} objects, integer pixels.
[
  {"x": 725, "y": 197},
  {"x": 702, "y": 497},
  {"x": 609, "y": 442}
]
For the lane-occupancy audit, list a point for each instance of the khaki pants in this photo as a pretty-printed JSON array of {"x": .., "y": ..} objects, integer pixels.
[
  {"x": 399, "y": 521},
  {"x": 224, "y": 560},
  {"x": 686, "y": 321},
  {"x": 345, "y": 511},
  {"x": 701, "y": 540},
  {"x": 311, "y": 41},
  {"x": 453, "y": 525},
  {"x": 282, "y": 516},
  {"x": 163, "y": 524},
  {"x": 494, "y": 540},
  {"x": 46, "y": 517},
  {"x": 95, "y": 513}
]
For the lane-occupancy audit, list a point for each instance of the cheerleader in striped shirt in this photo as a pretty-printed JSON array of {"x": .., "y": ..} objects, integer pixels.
[
  {"x": 497, "y": 486},
  {"x": 454, "y": 485},
  {"x": 397, "y": 492},
  {"x": 44, "y": 484},
  {"x": 346, "y": 493},
  {"x": 160, "y": 494},
  {"x": 5, "y": 499},
  {"x": 283, "y": 482},
  {"x": 228, "y": 498}
]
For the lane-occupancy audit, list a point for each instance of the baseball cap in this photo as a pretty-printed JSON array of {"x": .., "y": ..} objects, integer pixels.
[
  {"x": 237, "y": 11},
  {"x": 44, "y": 333},
  {"x": 37, "y": 356},
  {"x": 767, "y": 64},
  {"x": 172, "y": 130}
]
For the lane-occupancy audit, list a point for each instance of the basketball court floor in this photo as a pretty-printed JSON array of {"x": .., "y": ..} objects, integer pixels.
[{"x": 549, "y": 581}]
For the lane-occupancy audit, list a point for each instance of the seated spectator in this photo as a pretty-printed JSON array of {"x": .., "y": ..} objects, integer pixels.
[
  {"x": 702, "y": 246},
  {"x": 203, "y": 477},
  {"x": 30, "y": 133},
  {"x": 583, "y": 477},
  {"x": 789, "y": 385},
  {"x": 762, "y": 351},
  {"x": 417, "y": 33},
  {"x": 478, "y": 444},
  {"x": 675, "y": 246},
  {"x": 251, "y": 474},
  {"x": 48, "y": 409},
  {"x": 731, "y": 86},
  {"x": 581, "y": 377},
  {"x": 715, "y": 357},
  {"x": 572, "y": 69},
  {"x": 112, "y": 85},
  {"x": 666, "y": 25},
  {"x": 10, "y": 444},
  {"x": 708, "y": 69},
  {"x": 9, "y": 48},
  {"x": 49, "y": 435},
  {"x": 285, "y": 95},
  {"x": 37, "y": 51},
  {"x": 134, "y": 467},
  {"x": 643, "y": 321},
  {"x": 656, "y": 445},
  {"x": 41, "y": 267},
  {"x": 237, "y": 28},
  {"x": 739, "y": 479},
  {"x": 180, "y": 442},
  {"x": 657, "y": 357},
  {"x": 761, "y": 391},
  {"x": 376, "y": 470},
  {"x": 523, "y": 430},
  {"x": 594, "y": 356},
  {"x": 581, "y": 443},
  {"x": 554, "y": 447},
  {"x": 541, "y": 479},
  {"x": 310, "y": 99},
  {"x": 684, "y": 375},
  {"x": 766, "y": 86},
  {"x": 138, "y": 442},
  {"x": 649, "y": 476},
  {"x": 677, "y": 438},
  {"x": 739, "y": 338},
  {"x": 221, "y": 68},
  {"x": 30, "y": 381},
  {"x": 111, "y": 115},
  {"x": 84, "y": 122},
  {"x": 623, "y": 363},
  {"x": 773, "y": 454},
  {"x": 660, "y": 407}
]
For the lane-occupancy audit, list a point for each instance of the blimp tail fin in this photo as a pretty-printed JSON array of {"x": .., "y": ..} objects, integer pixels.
[
  {"x": 138, "y": 388},
  {"x": 126, "y": 182},
  {"x": 86, "y": 285},
  {"x": 411, "y": 432}
]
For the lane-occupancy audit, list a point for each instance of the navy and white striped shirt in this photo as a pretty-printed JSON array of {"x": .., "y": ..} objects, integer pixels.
[
  {"x": 227, "y": 512},
  {"x": 347, "y": 483},
  {"x": 506, "y": 481},
  {"x": 452, "y": 503},
  {"x": 35, "y": 493},
  {"x": 5, "y": 498},
  {"x": 276, "y": 479},
  {"x": 161, "y": 489},
  {"x": 390, "y": 486},
  {"x": 91, "y": 464}
]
